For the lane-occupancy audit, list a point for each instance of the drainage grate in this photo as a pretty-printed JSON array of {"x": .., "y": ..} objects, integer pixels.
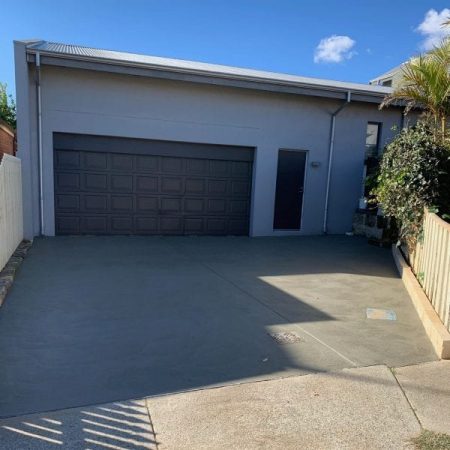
[{"x": 286, "y": 337}]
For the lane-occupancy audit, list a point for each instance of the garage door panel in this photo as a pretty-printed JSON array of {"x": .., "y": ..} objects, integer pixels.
[
  {"x": 171, "y": 225},
  {"x": 219, "y": 168},
  {"x": 95, "y": 161},
  {"x": 241, "y": 169},
  {"x": 240, "y": 188},
  {"x": 147, "y": 225},
  {"x": 217, "y": 206},
  {"x": 147, "y": 163},
  {"x": 95, "y": 182},
  {"x": 146, "y": 184},
  {"x": 68, "y": 159},
  {"x": 68, "y": 224},
  {"x": 121, "y": 225},
  {"x": 67, "y": 181},
  {"x": 122, "y": 203},
  {"x": 197, "y": 166},
  {"x": 146, "y": 205},
  {"x": 95, "y": 224},
  {"x": 114, "y": 192},
  {"x": 121, "y": 183},
  {"x": 194, "y": 206},
  {"x": 171, "y": 185},
  {"x": 175, "y": 165},
  {"x": 216, "y": 225},
  {"x": 170, "y": 205},
  {"x": 67, "y": 202},
  {"x": 195, "y": 186},
  {"x": 122, "y": 163},
  {"x": 240, "y": 207},
  {"x": 95, "y": 203},
  {"x": 217, "y": 187},
  {"x": 238, "y": 226},
  {"x": 194, "y": 225}
]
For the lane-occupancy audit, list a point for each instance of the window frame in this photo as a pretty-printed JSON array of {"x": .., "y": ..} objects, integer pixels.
[{"x": 379, "y": 131}]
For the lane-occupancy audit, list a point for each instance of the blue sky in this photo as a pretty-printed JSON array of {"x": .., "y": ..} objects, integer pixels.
[{"x": 352, "y": 40}]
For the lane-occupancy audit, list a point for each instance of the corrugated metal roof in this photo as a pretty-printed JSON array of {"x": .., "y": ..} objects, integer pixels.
[{"x": 178, "y": 65}]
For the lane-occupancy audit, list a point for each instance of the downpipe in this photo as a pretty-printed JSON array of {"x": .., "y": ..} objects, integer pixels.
[
  {"x": 40, "y": 151},
  {"x": 330, "y": 159}
]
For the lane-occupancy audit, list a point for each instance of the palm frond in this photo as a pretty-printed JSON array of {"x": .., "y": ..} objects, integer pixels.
[{"x": 425, "y": 83}]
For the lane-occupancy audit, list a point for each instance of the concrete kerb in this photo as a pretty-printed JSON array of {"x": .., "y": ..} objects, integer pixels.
[
  {"x": 353, "y": 408},
  {"x": 436, "y": 331}
]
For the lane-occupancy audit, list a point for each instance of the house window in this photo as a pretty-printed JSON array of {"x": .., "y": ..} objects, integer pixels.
[
  {"x": 372, "y": 139},
  {"x": 387, "y": 83}
]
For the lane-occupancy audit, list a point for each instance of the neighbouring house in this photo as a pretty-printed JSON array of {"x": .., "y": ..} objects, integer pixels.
[
  {"x": 7, "y": 139},
  {"x": 391, "y": 78},
  {"x": 120, "y": 143}
]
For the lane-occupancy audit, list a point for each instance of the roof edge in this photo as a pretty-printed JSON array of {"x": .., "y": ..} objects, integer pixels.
[{"x": 211, "y": 70}]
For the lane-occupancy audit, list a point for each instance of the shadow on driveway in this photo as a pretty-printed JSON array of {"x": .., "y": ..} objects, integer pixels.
[
  {"x": 117, "y": 426},
  {"x": 92, "y": 320}
]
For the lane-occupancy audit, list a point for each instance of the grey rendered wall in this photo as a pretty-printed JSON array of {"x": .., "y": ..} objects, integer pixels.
[
  {"x": 116, "y": 105},
  {"x": 26, "y": 141},
  {"x": 346, "y": 178}
]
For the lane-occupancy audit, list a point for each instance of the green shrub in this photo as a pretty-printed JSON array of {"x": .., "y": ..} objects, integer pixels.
[
  {"x": 409, "y": 179},
  {"x": 7, "y": 107}
]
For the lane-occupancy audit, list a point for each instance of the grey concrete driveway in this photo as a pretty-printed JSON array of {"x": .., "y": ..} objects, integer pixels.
[{"x": 97, "y": 319}]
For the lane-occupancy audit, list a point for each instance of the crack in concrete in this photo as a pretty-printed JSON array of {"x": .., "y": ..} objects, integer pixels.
[
  {"x": 392, "y": 369},
  {"x": 151, "y": 424}
]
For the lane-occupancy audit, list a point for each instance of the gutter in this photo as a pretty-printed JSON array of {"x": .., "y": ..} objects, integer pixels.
[
  {"x": 39, "y": 133},
  {"x": 180, "y": 71},
  {"x": 330, "y": 159}
]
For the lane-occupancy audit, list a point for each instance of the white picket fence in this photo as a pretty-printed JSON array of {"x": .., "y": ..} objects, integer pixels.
[
  {"x": 431, "y": 264},
  {"x": 11, "y": 219}
]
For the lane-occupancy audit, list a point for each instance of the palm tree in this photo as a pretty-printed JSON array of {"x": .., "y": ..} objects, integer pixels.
[{"x": 426, "y": 85}]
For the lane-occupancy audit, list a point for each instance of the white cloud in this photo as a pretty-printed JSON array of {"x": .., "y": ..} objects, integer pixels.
[
  {"x": 334, "y": 49},
  {"x": 432, "y": 28}
]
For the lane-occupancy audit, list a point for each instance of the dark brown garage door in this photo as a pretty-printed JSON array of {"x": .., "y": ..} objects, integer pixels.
[{"x": 132, "y": 186}]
